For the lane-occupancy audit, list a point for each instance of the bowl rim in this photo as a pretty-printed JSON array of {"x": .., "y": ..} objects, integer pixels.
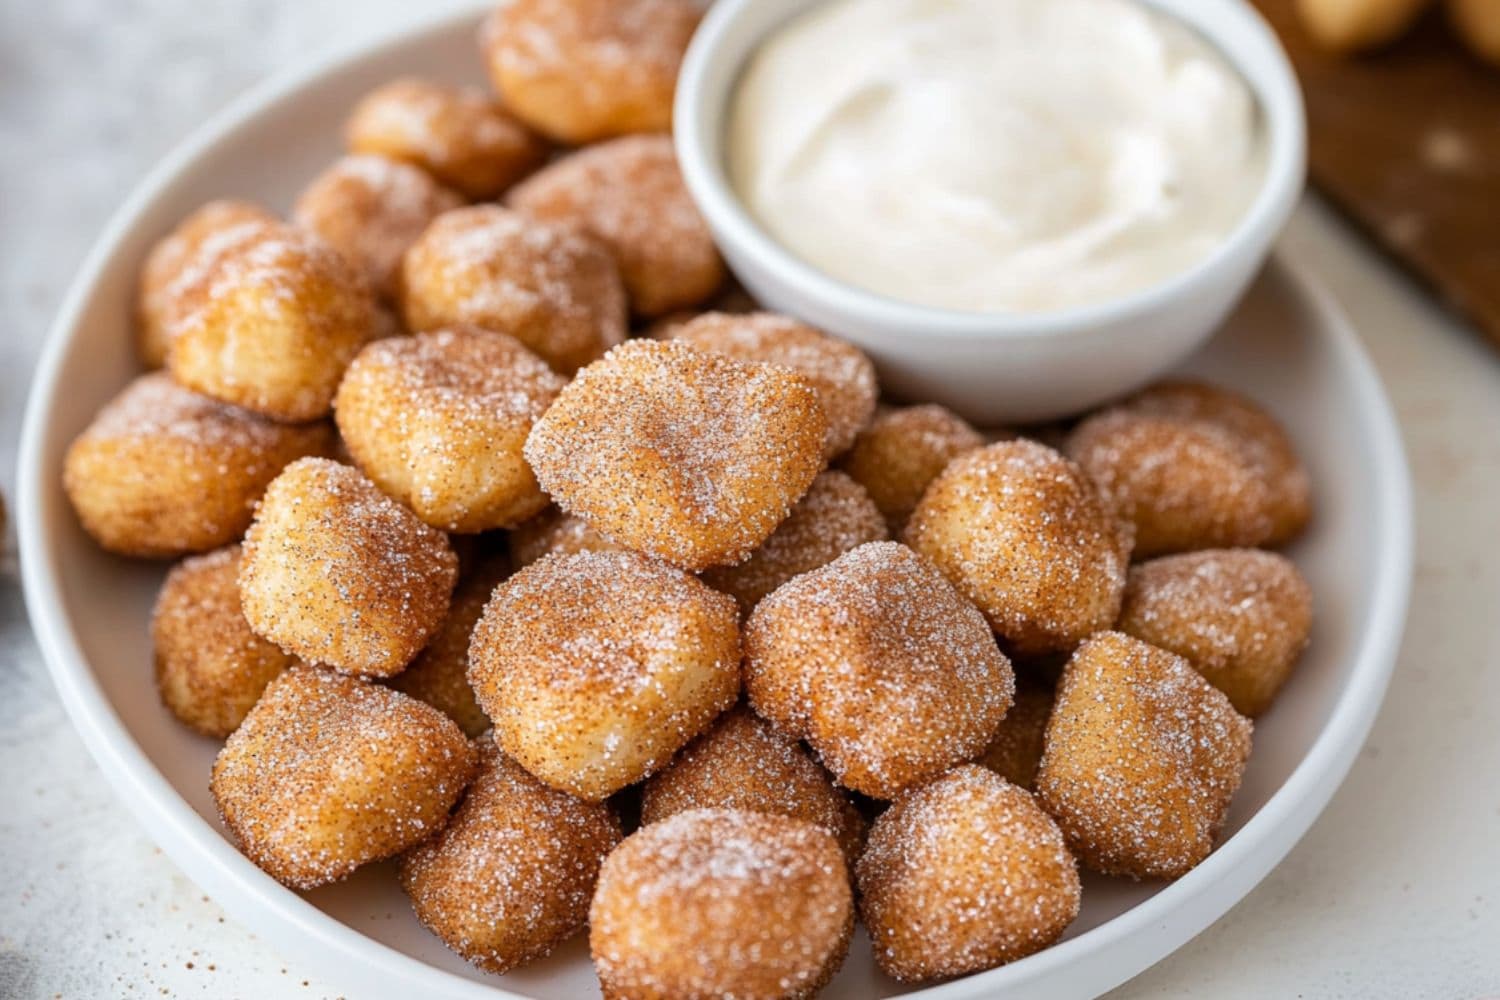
[
  {"x": 204, "y": 852},
  {"x": 1220, "y": 22}
]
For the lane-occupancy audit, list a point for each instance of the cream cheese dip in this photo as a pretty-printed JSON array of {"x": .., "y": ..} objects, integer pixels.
[{"x": 994, "y": 155}]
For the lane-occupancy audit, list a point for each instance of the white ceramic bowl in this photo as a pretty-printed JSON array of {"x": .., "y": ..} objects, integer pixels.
[
  {"x": 1285, "y": 346},
  {"x": 998, "y": 368}
]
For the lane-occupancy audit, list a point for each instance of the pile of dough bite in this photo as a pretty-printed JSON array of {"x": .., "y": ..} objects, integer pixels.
[{"x": 682, "y": 636}]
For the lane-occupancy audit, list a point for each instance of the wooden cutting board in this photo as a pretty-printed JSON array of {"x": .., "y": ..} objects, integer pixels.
[{"x": 1406, "y": 142}]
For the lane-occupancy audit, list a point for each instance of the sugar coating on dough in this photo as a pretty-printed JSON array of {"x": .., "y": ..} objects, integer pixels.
[
  {"x": 1195, "y": 466},
  {"x": 1025, "y": 535},
  {"x": 720, "y": 902},
  {"x": 338, "y": 573},
  {"x": 902, "y": 450},
  {"x": 1142, "y": 758},
  {"x": 154, "y": 406},
  {"x": 835, "y": 515},
  {"x": 438, "y": 421},
  {"x": 550, "y": 286},
  {"x": 460, "y": 135},
  {"x": 688, "y": 455},
  {"x": 630, "y": 194},
  {"x": 511, "y": 875},
  {"x": 162, "y": 470},
  {"x": 273, "y": 324},
  {"x": 889, "y": 674},
  {"x": 1241, "y": 616},
  {"x": 842, "y": 374},
  {"x": 329, "y": 772},
  {"x": 210, "y": 667},
  {"x": 175, "y": 270},
  {"x": 743, "y": 763},
  {"x": 964, "y": 874},
  {"x": 584, "y": 70},
  {"x": 371, "y": 209},
  {"x": 596, "y": 667}
]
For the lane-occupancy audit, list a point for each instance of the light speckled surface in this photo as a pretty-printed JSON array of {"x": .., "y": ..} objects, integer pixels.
[{"x": 1395, "y": 892}]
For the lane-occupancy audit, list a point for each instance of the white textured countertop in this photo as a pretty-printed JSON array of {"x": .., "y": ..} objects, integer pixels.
[{"x": 1394, "y": 893}]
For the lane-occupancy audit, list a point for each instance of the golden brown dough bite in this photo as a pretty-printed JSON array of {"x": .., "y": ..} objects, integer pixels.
[
  {"x": 1026, "y": 536},
  {"x": 843, "y": 376},
  {"x": 690, "y": 456},
  {"x": 371, "y": 209},
  {"x": 1241, "y": 617},
  {"x": 964, "y": 874},
  {"x": 338, "y": 573},
  {"x": 163, "y": 471},
  {"x": 1195, "y": 466},
  {"x": 330, "y": 772},
  {"x": 552, "y": 287},
  {"x": 834, "y": 516},
  {"x": 440, "y": 673},
  {"x": 881, "y": 666},
  {"x": 721, "y": 903},
  {"x": 1016, "y": 751},
  {"x": 172, "y": 278},
  {"x": 438, "y": 421},
  {"x": 553, "y": 531},
  {"x": 902, "y": 450},
  {"x": 743, "y": 763},
  {"x": 630, "y": 194},
  {"x": 584, "y": 70},
  {"x": 459, "y": 135},
  {"x": 511, "y": 875},
  {"x": 210, "y": 668},
  {"x": 596, "y": 667},
  {"x": 279, "y": 318},
  {"x": 1142, "y": 758}
]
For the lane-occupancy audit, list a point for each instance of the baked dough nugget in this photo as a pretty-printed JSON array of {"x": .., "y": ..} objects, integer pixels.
[
  {"x": 964, "y": 874},
  {"x": 743, "y": 763},
  {"x": 338, "y": 573},
  {"x": 552, "y": 287},
  {"x": 1142, "y": 758},
  {"x": 329, "y": 772},
  {"x": 1241, "y": 617},
  {"x": 280, "y": 317},
  {"x": 835, "y": 515},
  {"x": 1026, "y": 536},
  {"x": 596, "y": 667},
  {"x": 440, "y": 673},
  {"x": 371, "y": 209},
  {"x": 584, "y": 70},
  {"x": 459, "y": 135},
  {"x": 902, "y": 450},
  {"x": 511, "y": 875},
  {"x": 1016, "y": 751},
  {"x": 173, "y": 275},
  {"x": 843, "y": 376},
  {"x": 210, "y": 668},
  {"x": 722, "y": 903},
  {"x": 630, "y": 194},
  {"x": 881, "y": 666},
  {"x": 555, "y": 532},
  {"x": 438, "y": 421},
  {"x": 163, "y": 471},
  {"x": 687, "y": 455},
  {"x": 1195, "y": 467}
]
